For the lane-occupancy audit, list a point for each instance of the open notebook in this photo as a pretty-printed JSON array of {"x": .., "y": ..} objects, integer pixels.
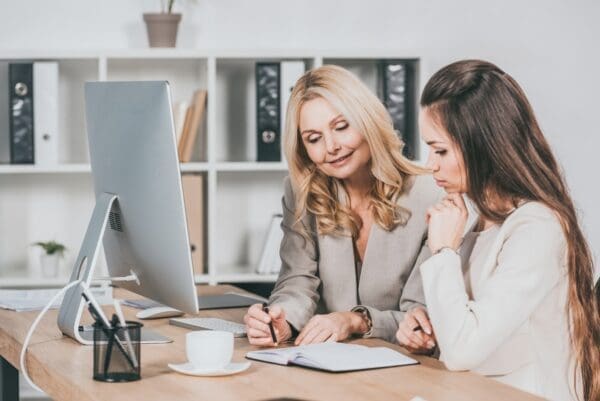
[{"x": 333, "y": 357}]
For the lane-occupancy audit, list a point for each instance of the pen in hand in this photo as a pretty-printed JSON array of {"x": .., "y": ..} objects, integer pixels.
[{"x": 265, "y": 309}]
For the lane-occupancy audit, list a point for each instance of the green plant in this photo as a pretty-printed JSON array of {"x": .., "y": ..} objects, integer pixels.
[
  {"x": 52, "y": 247},
  {"x": 169, "y": 6}
]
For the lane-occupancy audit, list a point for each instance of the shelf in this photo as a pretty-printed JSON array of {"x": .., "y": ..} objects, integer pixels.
[
  {"x": 18, "y": 282},
  {"x": 35, "y": 169},
  {"x": 193, "y": 167},
  {"x": 251, "y": 166},
  {"x": 79, "y": 168}
]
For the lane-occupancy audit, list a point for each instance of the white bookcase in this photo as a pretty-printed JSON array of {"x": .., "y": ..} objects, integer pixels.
[{"x": 42, "y": 203}]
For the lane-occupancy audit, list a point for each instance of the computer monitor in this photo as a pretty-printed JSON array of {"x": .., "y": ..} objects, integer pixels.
[{"x": 139, "y": 212}]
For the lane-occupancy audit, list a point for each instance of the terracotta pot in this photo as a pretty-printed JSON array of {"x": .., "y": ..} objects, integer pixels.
[{"x": 162, "y": 29}]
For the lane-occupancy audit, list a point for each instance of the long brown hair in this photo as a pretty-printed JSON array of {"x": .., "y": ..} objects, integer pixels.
[{"x": 506, "y": 155}]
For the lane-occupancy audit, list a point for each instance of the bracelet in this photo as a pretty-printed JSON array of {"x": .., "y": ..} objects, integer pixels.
[{"x": 446, "y": 248}]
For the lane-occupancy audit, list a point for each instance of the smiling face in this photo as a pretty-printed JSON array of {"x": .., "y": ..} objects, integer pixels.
[
  {"x": 336, "y": 148},
  {"x": 445, "y": 158}
]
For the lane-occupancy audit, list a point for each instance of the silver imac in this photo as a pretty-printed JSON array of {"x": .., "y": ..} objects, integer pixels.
[{"x": 139, "y": 214}]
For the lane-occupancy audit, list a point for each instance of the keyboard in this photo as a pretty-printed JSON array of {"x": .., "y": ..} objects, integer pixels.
[{"x": 210, "y": 323}]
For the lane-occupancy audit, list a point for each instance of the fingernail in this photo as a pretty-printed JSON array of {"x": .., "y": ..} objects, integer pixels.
[
  {"x": 430, "y": 344},
  {"x": 428, "y": 331}
]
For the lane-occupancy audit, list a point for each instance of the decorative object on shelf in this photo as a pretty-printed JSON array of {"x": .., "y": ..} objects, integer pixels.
[
  {"x": 397, "y": 84},
  {"x": 162, "y": 27},
  {"x": 50, "y": 258}
]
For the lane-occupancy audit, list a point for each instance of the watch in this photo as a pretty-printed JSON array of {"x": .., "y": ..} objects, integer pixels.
[{"x": 366, "y": 315}]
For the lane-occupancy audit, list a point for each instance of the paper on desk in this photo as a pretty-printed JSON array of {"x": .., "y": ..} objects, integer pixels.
[{"x": 31, "y": 300}]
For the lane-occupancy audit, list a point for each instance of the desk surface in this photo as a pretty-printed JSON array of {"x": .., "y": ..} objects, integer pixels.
[{"x": 63, "y": 369}]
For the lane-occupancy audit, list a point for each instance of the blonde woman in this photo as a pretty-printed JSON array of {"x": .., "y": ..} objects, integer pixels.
[
  {"x": 353, "y": 222},
  {"x": 514, "y": 298}
]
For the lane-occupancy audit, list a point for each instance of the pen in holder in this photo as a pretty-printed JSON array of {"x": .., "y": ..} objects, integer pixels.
[{"x": 117, "y": 351}]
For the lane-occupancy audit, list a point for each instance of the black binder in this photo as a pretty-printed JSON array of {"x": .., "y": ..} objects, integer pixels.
[
  {"x": 268, "y": 112},
  {"x": 398, "y": 94},
  {"x": 21, "y": 113}
]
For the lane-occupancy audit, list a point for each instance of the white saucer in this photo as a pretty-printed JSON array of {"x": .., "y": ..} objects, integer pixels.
[{"x": 189, "y": 369}]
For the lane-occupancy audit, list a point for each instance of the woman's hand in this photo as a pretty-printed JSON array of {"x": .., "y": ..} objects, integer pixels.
[
  {"x": 336, "y": 326},
  {"x": 415, "y": 332},
  {"x": 257, "y": 325},
  {"x": 447, "y": 222}
]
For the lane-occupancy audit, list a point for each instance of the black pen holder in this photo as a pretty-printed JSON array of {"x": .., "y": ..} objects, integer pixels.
[{"x": 117, "y": 355}]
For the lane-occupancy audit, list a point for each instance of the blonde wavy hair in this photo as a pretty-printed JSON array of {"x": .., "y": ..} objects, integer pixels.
[{"x": 325, "y": 197}]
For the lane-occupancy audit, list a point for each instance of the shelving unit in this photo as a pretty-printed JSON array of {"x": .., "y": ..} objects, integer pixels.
[{"x": 241, "y": 195}]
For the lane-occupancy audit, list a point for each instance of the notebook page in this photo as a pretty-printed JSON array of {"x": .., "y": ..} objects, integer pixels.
[
  {"x": 343, "y": 357},
  {"x": 281, "y": 356}
]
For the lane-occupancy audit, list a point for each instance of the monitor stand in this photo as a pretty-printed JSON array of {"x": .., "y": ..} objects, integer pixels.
[{"x": 69, "y": 314}]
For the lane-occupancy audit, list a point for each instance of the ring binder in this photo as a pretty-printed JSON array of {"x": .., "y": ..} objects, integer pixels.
[
  {"x": 268, "y": 112},
  {"x": 21, "y": 113}
]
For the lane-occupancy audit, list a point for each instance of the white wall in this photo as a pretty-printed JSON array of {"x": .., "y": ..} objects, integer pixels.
[{"x": 549, "y": 46}]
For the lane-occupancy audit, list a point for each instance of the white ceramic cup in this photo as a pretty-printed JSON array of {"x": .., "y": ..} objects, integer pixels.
[{"x": 209, "y": 349}]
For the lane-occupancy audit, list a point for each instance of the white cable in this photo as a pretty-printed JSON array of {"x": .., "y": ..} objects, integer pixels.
[{"x": 32, "y": 328}]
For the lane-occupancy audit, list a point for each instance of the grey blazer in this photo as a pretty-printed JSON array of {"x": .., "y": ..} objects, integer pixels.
[{"x": 319, "y": 276}]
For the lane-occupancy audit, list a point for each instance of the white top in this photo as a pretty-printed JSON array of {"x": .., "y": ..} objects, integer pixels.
[{"x": 500, "y": 308}]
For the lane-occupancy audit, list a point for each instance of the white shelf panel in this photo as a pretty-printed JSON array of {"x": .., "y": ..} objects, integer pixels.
[
  {"x": 194, "y": 167},
  {"x": 34, "y": 169},
  {"x": 175, "y": 53},
  {"x": 79, "y": 168},
  {"x": 6, "y": 282},
  {"x": 251, "y": 166},
  {"x": 162, "y": 53}
]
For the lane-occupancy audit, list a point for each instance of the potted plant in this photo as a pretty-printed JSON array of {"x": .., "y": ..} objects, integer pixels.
[
  {"x": 50, "y": 258},
  {"x": 162, "y": 27}
]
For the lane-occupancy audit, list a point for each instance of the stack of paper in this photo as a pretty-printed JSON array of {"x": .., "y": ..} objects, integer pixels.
[{"x": 31, "y": 300}]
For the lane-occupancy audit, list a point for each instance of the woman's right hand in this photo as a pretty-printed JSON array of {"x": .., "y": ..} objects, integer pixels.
[
  {"x": 417, "y": 341},
  {"x": 257, "y": 325}
]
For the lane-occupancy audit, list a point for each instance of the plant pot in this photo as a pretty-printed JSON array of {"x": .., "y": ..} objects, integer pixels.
[
  {"x": 49, "y": 264},
  {"x": 162, "y": 29}
]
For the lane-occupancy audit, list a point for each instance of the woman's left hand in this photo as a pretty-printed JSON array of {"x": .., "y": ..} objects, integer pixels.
[
  {"x": 336, "y": 326},
  {"x": 447, "y": 222}
]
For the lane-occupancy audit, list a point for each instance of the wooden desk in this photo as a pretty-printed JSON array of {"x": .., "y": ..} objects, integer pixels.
[{"x": 63, "y": 369}]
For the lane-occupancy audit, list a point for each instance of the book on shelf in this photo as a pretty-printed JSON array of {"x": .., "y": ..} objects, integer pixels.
[
  {"x": 193, "y": 196},
  {"x": 270, "y": 261},
  {"x": 268, "y": 129},
  {"x": 291, "y": 71},
  {"x": 45, "y": 106},
  {"x": 4, "y": 115},
  {"x": 21, "y": 113},
  {"x": 194, "y": 116},
  {"x": 29, "y": 113},
  {"x": 179, "y": 114},
  {"x": 334, "y": 357}
]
